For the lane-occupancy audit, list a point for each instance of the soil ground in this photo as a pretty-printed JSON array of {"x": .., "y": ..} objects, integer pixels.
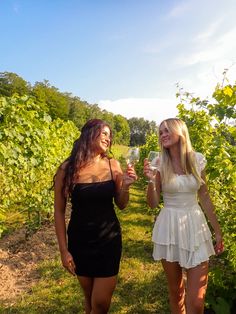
[{"x": 19, "y": 258}]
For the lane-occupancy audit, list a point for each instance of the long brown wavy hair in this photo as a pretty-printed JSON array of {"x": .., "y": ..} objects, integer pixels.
[{"x": 82, "y": 151}]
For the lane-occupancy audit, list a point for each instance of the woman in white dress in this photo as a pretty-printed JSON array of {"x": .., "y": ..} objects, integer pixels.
[{"x": 181, "y": 236}]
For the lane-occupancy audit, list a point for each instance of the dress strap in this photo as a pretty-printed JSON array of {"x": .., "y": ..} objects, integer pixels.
[{"x": 110, "y": 167}]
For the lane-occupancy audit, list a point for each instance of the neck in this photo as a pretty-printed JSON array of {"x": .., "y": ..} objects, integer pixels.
[
  {"x": 96, "y": 158},
  {"x": 174, "y": 152}
]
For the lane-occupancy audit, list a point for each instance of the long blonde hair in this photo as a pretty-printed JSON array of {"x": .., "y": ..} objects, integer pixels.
[{"x": 187, "y": 154}]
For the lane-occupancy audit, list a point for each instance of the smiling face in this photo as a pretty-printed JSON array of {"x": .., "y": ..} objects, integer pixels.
[
  {"x": 103, "y": 141},
  {"x": 167, "y": 137}
]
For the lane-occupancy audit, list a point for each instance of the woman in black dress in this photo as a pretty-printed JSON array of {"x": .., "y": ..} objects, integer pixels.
[{"x": 92, "y": 181}]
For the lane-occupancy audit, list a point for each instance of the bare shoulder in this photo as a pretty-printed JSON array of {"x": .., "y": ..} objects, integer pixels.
[
  {"x": 116, "y": 170},
  {"x": 115, "y": 164},
  {"x": 64, "y": 165},
  {"x": 61, "y": 171}
]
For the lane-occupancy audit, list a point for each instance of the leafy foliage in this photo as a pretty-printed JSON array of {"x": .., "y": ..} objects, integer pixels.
[
  {"x": 67, "y": 107},
  {"x": 31, "y": 148},
  {"x": 121, "y": 130},
  {"x": 11, "y": 83},
  {"x": 57, "y": 103}
]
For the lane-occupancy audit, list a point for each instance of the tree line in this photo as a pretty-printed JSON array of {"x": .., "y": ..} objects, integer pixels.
[{"x": 65, "y": 106}]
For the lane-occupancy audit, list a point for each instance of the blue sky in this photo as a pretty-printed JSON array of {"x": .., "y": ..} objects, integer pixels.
[{"x": 124, "y": 55}]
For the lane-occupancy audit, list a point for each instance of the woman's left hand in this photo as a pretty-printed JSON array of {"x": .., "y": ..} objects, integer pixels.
[
  {"x": 129, "y": 176},
  {"x": 219, "y": 246}
]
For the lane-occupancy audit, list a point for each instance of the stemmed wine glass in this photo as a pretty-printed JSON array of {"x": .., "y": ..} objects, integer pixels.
[
  {"x": 132, "y": 156},
  {"x": 153, "y": 158}
]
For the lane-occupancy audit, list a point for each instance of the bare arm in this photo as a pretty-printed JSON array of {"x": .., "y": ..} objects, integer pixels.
[
  {"x": 208, "y": 208},
  {"x": 123, "y": 182},
  {"x": 154, "y": 185},
  {"x": 60, "y": 224}
]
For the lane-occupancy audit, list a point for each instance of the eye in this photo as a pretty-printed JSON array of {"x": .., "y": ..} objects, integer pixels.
[{"x": 106, "y": 134}]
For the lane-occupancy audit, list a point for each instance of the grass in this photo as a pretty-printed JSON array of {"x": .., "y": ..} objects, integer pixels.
[{"x": 141, "y": 284}]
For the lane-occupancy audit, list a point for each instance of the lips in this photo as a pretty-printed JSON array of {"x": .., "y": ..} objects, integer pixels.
[
  {"x": 165, "y": 140},
  {"x": 105, "y": 144}
]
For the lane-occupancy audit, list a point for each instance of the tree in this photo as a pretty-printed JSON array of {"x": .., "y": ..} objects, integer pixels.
[
  {"x": 121, "y": 130},
  {"x": 11, "y": 83},
  {"x": 56, "y": 102},
  {"x": 139, "y": 129},
  {"x": 79, "y": 112}
]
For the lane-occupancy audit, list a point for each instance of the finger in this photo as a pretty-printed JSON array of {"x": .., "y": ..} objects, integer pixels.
[
  {"x": 219, "y": 248},
  {"x": 71, "y": 269}
]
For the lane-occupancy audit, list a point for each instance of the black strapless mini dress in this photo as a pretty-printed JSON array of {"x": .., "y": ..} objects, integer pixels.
[{"x": 94, "y": 233}]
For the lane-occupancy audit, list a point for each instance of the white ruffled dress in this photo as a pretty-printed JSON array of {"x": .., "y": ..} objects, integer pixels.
[{"x": 181, "y": 233}]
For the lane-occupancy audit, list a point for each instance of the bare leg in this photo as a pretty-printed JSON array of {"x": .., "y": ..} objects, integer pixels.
[
  {"x": 87, "y": 286},
  {"x": 176, "y": 288},
  {"x": 197, "y": 278},
  {"x": 103, "y": 289}
]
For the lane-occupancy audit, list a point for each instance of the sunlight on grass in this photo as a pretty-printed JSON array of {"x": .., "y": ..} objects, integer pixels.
[{"x": 56, "y": 292}]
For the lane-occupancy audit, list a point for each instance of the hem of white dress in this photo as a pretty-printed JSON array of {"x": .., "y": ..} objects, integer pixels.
[
  {"x": 181, "y": 265},
  {"x": 185, "y": 258}
]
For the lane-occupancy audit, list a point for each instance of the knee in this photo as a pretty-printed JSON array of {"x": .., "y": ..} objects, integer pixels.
[
  {"x": 195, "y": 305},
  {"x": 100, "y": 306}
]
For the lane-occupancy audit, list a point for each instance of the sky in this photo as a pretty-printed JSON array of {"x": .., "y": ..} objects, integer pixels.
[{"x": 126, "y": 56}]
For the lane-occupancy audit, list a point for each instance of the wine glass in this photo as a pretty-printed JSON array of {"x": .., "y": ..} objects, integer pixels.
[
  {"x": 153, "y": 158},
  {"x": 132, "y": 156}
]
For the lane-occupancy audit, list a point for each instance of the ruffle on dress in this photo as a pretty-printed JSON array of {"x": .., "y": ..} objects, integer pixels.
[
  {"x": 201, "y": 161},
  {"x": 182, "y": 236}
]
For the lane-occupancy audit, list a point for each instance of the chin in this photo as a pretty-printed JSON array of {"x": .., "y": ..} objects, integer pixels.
[{"x": 103, "y": 150}]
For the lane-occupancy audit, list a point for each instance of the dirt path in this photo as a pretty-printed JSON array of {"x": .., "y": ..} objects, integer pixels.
[{"x": 19, "y": 259}]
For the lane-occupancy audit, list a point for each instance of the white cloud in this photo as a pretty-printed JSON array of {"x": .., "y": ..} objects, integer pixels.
[
  {"x": 179, "y": 10},
  {"x": 152, "y": 109},
  {"x": 228, "y": 40},
  {"x": 218, "y": 50},
  {"x": 207, "y": 34}
]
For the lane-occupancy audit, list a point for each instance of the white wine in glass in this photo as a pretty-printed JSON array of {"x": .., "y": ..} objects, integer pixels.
[
  {"x": 154, "y": 159},
  {"x": 132, "y": 157}
]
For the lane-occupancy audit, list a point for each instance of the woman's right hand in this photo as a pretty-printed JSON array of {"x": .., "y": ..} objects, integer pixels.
[
  {"x": 68, "y": 262},
  {"x": 147, "y": 171}
]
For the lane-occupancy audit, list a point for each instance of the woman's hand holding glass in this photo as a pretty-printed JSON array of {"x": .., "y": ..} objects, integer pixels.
[
  {"x": 132, "y": 157},
  {"x": 151, "y": 164}
]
